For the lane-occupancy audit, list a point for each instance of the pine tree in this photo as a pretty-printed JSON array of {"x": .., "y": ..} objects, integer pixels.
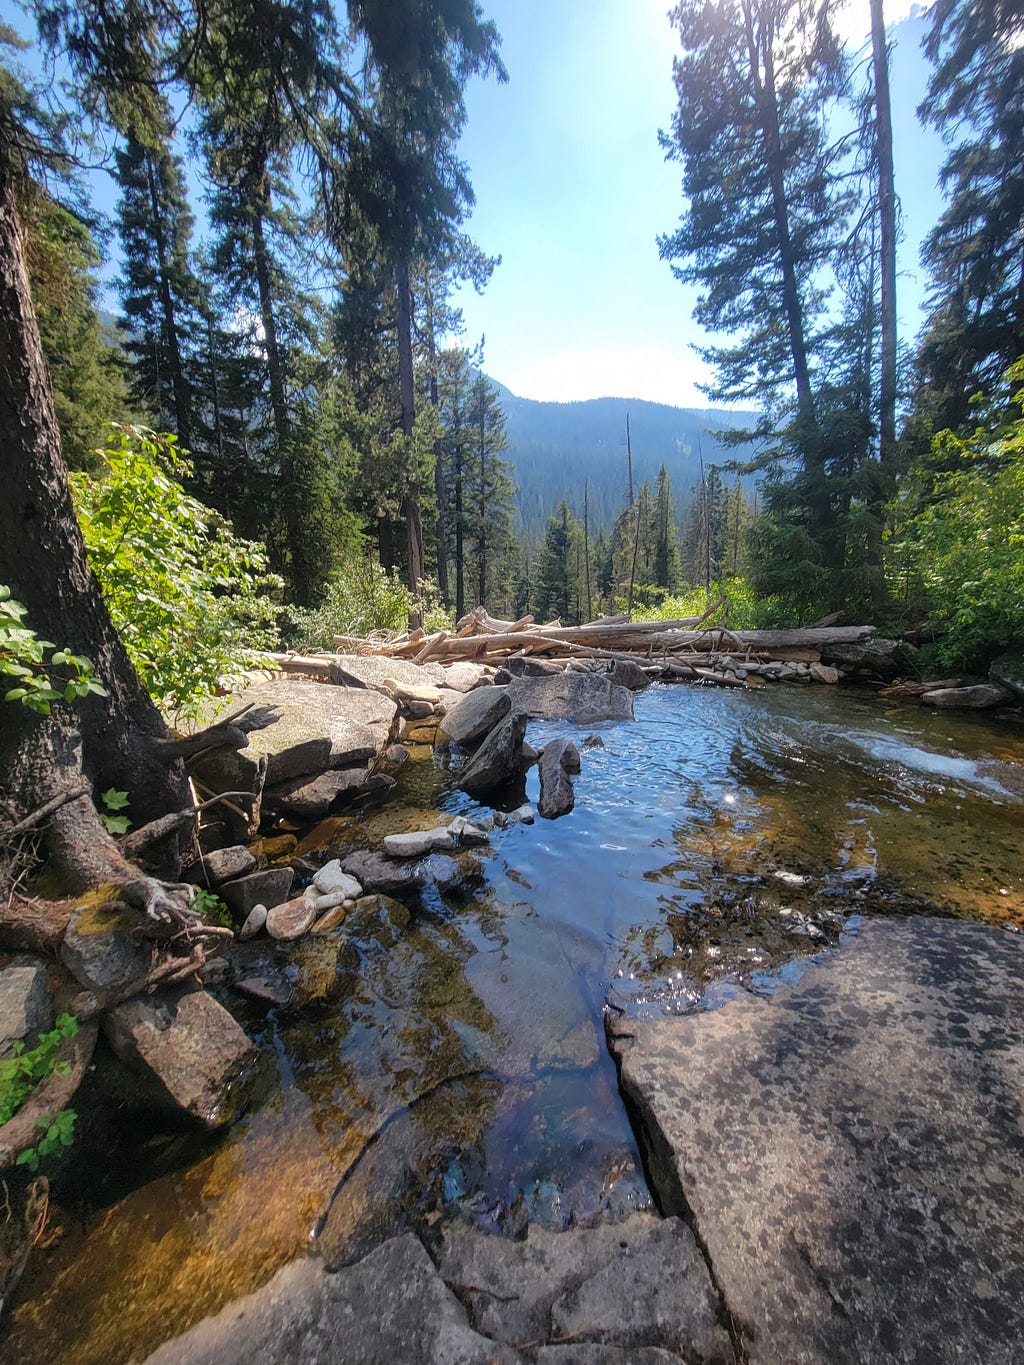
[
  {"x": 555, "y": 593},
  {"x": 159, "y": 293},
  {"x": 976, "y": 250},
  {"x": 766, "y": 213},
  {"x": 666, "y": 539}
]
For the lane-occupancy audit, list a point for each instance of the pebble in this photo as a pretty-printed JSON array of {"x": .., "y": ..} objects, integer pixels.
[
  {"x": 290, "y": 920},
  {"x": 331, "y": 878},
  {"x": 254, "y": 922}
]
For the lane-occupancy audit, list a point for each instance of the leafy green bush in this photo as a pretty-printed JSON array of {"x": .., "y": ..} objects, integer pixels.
[
  {"x": 21, "y": 1073},
  {"x": 23, "y": 1070},
  {"x": 189, "y": 598},
  {"x": 38, "y": 681},
  {"x": 360, "y": 599},
  {"x": 742, "y": 609},
  {"x": 958, "y": 542}
]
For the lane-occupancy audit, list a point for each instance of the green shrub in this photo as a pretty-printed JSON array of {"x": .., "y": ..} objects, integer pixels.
[
  {"x": 360, "y": 599},
  {"x": 742, "y": 609},
  {"x": 38, "y": 681},
  {"x": 958, "y": 543},
  {"x": 189, "y": 599}
]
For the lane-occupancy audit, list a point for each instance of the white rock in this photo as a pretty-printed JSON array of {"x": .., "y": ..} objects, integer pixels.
[
  {"x": 254, "y": 922},
  {"x": 466, "y": 832},
  {"x": 330, "y": 900},
  {"x": 331, "y": 878},
  {"x": 415, "y": 843},
  {"x": 524, "y": 815}
]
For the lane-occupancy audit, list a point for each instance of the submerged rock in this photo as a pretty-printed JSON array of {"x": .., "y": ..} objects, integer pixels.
[
  {"x": 850, "y": 1147},
  {"x": 981, "y": 697},
  {"x": 189, "y": 1047}
]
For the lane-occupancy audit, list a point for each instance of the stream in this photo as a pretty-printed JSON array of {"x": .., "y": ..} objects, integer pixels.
[{"x": 451, "y": 1064}]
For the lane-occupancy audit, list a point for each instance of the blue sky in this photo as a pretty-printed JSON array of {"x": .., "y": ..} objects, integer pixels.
[{"x": 573, "y": 188}]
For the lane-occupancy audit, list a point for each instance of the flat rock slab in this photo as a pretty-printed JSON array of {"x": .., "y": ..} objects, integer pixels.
[
  {"x": 317, "y": 727},
  {"x": 632, "y": 1286},
  {"x": 851, "y": 1150},
  {"x": 390, "y": 1309},
  {"x": 584, "y": 698},
  {"x": 190, "y": 1046},
  {"x": 373, "y": 671},
  {"x": 980, "y": 697}
]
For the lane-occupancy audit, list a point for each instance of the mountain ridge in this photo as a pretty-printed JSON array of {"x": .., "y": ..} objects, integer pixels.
[{"x": 555, "y": 447}]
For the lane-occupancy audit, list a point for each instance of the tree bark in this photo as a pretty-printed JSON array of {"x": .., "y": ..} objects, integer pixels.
[
  {"x": 443, "y": 585},
  {"x": 887, "y": 234},
  {"x": 414, "y": 554},
  {"x": 110, "y": 739}
]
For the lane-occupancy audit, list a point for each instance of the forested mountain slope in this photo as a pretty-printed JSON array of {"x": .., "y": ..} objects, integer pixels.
[{"x": 555, "y": 447}]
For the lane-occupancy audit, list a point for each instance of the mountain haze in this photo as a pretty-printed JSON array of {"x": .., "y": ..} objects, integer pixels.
[{"x": 555, "y": 447}]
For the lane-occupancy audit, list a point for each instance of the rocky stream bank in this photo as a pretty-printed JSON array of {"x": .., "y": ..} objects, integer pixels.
[{"x": 723, "y": 1276}]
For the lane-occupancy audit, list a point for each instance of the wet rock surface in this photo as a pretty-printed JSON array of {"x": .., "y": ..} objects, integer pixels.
[
  {"x": 557, "y": 762},
  {"x": 391, "y": 1307},
  {"x": 189, "y": 1047},
  {"x": 636, "y": 1291},
  {"x": 850, "y": 1150}
]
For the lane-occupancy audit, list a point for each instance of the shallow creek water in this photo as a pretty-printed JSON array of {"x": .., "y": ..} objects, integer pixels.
[{"x": 454, "y": 1066}]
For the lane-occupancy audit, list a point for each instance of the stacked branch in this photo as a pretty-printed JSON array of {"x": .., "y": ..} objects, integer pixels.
[{"x": 674, "y": 648}]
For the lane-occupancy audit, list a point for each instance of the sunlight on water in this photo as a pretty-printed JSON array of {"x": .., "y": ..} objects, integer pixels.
[{"x": 453, "y": 1065}]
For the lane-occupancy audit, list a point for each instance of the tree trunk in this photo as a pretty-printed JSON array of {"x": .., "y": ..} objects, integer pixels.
[
  {"x": 439, "y": 489},
  {"x": 460, "y": 547},
  {"x": 760, "y": 51},
  {"x": 887, "y": 230},
  {"x": 415, "y": 557},
  {"x": 107, "y": 739}
]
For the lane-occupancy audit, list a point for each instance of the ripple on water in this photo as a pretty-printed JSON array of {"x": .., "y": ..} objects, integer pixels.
[{"x": 457, "y": 1067}]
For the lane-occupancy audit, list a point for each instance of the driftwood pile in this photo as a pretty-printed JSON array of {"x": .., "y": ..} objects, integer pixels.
[{"x": 681, "y": 649}]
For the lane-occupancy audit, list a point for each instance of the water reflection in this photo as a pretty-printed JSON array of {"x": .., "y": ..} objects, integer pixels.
[{"x": 447, "y": 1059}]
